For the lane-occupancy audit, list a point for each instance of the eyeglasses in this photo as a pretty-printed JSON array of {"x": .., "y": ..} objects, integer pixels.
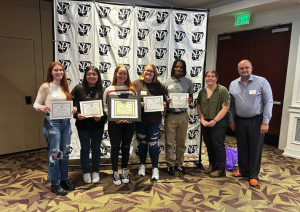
[
  {"x": 149, "y": 71},
  {"x": 92, "y": 74},
  {"x": 57, "y": 70}
]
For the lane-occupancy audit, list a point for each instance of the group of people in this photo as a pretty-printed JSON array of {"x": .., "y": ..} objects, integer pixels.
[{"x": 250, "y": 106}]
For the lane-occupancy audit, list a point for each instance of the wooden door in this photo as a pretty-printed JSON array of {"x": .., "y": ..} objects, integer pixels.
[
  {"x": 269, "y": 53},
  {"x": 231, "y": 49},
  {"x": 19, "y": 130}
]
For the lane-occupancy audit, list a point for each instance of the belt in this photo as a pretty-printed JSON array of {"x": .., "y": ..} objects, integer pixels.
[
  {"x": 249, "y": 117},
  {"x": 176, "y": 112}
]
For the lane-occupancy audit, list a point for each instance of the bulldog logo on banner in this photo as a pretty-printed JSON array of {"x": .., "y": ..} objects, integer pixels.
[
  {"x": 142, "y": 33},
  {"x": 198, "y": 19},
  {"x": 104, "y": 67},
  {"x": 63, "y": 46},
  {"x": 161, "y": 17},
  {"x": 161, "y": 35},
  {"x": 62, "y": 8},
  {"x": 192, "y": 149},
  {"x": 178, "y": 36},
  {"x": 193, "y": 119},
  {"x": 106, "y": 83},
  {"x": 83, "y": 10},
  {"x": 178, "y": 53},
  {"x": 104, "y": 12},
  {"x": 180, "y": 17},
  {"x": 195, "y": 71},
  {"x": 142, "y": 52},
  {"x": 104, "y": 30},
  {"x": 63, "y": 27},
  {"x": 123, "y": 32},
  {"x": 161, "y": 70},
  {"x": 193, "y": 134},
  {"x": 83, "y": 29},
  {"x": 142, "y": 15},
  {"x": 66, "y": 64},
  {"x": 139, "y": 69},
  {"x": 193, "y": 105},
  {"x": 196, "y": 87},
  {"x": 160, "y": 53},
  {"x": 84, "y": 48},
  {"x": 197, "y": 36},
  {"x": 124, "y": 14},
  {"x": 123, "y": 51},
  {"x": 197, "y": 53},
  {"x": 127, "y": 66},
  {"x": 105, "y": 136},
  {"x": 83, "y": 65},
  {"x": 104, "y": 49},
  {"x": 104, "y": 151}
]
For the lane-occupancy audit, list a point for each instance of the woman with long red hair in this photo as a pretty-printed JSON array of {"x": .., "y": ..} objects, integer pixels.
[{"x": 58, "y": 131}]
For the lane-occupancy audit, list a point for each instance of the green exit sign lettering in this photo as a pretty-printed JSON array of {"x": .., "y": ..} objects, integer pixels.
[{"x": 242, "y": 20}]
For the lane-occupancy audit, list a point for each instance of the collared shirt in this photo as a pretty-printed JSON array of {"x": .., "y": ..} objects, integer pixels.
[
  {"x": 253, "y": 99},
  {"x": 182, "y": 85},
  {"x": 212, "y": 106}
]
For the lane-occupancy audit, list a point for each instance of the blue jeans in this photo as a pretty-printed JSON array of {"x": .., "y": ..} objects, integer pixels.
[
  {"x": 58, "y": 134},
  {"x": 90, "y": 139},
  {"x": 148, "y": 136}
]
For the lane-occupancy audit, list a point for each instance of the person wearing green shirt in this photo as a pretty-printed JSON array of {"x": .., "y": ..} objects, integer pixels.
[{"x": 212, "y": 107}]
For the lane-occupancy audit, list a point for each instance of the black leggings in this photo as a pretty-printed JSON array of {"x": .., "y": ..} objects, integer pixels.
[{"x": 120, "y": 133}]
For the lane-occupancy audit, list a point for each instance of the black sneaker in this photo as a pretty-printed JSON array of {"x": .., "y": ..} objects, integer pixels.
[
  {"x": 171, "y": 170},
  {"x": 182, "y": 169}
]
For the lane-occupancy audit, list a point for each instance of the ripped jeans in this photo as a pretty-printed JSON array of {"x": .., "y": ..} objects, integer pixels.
[
  {"x": 148, "y": 136},
  {"x": 58, "y": 134}
]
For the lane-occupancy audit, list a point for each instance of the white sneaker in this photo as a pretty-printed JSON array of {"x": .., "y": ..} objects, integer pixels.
[
  {"x": 142, "y": 170},
  {"x": 95, "y": 177},
  {"x": 155, "y": 174},
  {"x": 116, "y": 178},
  {"x": 87, "y": 178},
  {"x": 125, "y": 177}
]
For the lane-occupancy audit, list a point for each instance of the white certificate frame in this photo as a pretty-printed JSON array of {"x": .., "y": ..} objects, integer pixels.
[
  {"x": 95, "y": 103},
  {"x": 176, "y": 97},
  {"x": 57, "y": 106},
  {"x": 151, "y": 98},
  {"x": 114, "y": 101}
]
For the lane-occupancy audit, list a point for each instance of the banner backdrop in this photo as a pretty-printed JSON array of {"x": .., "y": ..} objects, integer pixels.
[{"x": 106, "y": 35}]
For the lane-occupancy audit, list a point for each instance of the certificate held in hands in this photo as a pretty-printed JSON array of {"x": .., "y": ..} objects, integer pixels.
[
  {"x": 153, "y": 103},
  {"x": 91, "y": 108},
  {"x": 179, "y": 100},
  {"x": 61, "y": 109}
]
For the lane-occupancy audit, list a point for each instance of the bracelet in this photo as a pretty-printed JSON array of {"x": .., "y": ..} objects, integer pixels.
[{"x": 215, "y": 120}]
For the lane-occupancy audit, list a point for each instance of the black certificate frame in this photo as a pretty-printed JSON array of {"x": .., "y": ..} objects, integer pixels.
[{"x": 124, "y": 97}]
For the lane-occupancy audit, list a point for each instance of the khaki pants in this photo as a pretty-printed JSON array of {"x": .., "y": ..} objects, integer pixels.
[{"x": 176, "y": 128}]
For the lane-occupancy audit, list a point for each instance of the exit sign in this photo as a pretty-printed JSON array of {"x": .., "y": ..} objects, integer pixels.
[{"x": 242, "y": 19}]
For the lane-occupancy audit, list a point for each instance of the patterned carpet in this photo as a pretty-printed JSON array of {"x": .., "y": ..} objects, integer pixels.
[{"x": 23, "y": 187}]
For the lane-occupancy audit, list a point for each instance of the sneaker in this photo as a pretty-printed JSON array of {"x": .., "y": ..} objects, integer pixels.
[
  {"x": 182, "y": 169},
  {"x": 125, "y": 177},
  {"x": 116, "y": 178},
  {"x": 218, "y": 173},
  {"x": 155, "y": 174},
  {"x": 210, "y": 169},
  {"x": 87, "y": 178},
  {"x": 171, "y": 170},
  {"x": 142, "y": 170},
  {"x": 95, "y": 177}
]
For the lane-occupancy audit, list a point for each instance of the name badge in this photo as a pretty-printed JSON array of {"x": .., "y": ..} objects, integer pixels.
[
  {"x": 144, "y": 93},
  {"x": 253, "y": 92}
]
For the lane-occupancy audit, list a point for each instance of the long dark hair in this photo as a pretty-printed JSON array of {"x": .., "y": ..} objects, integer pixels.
[
  {"x": 174, "y": 65},
  {"x": 85, "y": 84}
]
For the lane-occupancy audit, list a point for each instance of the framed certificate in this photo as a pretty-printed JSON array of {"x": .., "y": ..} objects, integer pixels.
[
  {"x": 153, "y": 103},
  {"x": 61, "y": 109},
  {"x": 124, "y": 107},
  {"x": 179, "y": 100},
  {"x": 91, "y": 108}
]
